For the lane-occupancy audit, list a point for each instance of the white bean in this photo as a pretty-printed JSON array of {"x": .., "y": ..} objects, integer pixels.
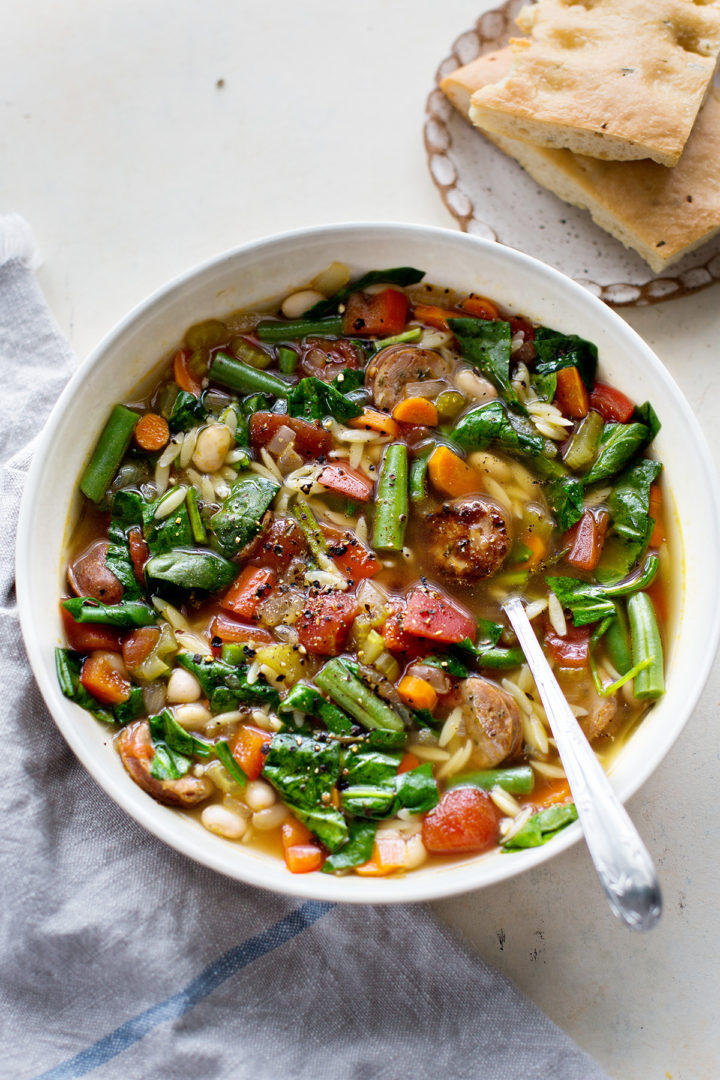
[
  {"x": 264, "y": 820},
  {"x": 194, "y": 717},
  {"x": 298, "y": 303},
  {"x": 473, "y": 386},
  {"x": 223, "y": 822},
  {"x": 415, "y": 852},
  {"x": 259, "y": 795},
  {"x": 183, "y": 687},
  {"x": 211, "y": 447}
]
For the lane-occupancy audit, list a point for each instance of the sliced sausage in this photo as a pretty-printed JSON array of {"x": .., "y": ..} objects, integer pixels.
[
  {"x": 491, "y": 719},
  {"x": 467, "y": 540},
  {"x": 89, "y": 576},
  {"x": 325, "y": 358},
  {"x": 599, "y": 719},
  {"x": 394, "y": 367},
  {"x": 136, "y": 752},
  {"x": 601, "y": 712}
]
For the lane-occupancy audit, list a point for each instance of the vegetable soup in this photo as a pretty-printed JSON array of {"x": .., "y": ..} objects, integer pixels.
[{"x": 288, "y": 574}]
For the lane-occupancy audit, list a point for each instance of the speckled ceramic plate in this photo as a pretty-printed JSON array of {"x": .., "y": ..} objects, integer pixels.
[{"x": 491, "y": 196}]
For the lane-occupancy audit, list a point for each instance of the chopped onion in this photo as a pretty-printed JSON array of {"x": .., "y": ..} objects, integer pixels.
[
  {"x": 430, "y": 388},
  {"x": 435, "y": 676},
  {"x": 283, "y": 437}
]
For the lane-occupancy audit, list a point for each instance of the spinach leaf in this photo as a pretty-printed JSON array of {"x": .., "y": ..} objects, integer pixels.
[
  {"x": 565, "y": 496},
  {"x": 125, "y": 711},
  {"x": 586, "y": 602},
  {"x": 164, "y": 728},
  {"x": 349, "y": 380},
  {"x": 488, "y": 632},
  {"x": 127, "y": 513},
  {"x": 542, "y": 827},
  {"x": 256, "y": 403},
  {"x": 240, "y": 518},
  {"x": 167, "y": 764},
  {"x": 368, "y": 800},
  {"x": 492, "y": 422},
  {"x": 486, "y": 344},
  {"x": 128, "y": 613},
  {"x": 398, "y": 275},
  {"x": 544, "y": 385},
  {"x": 618, "y": 444},
  {"x": 361, "y": 766},
  {"x": 306, "y": 699},
  {"x": 313, "y": 399},
  {"x": 417, "y": 790},
  {"x": 226, "y": 685},
  {"x": 555, "y": 351},
  {"x": 357, "y": 849},
  {"x": 629, "y": 502},
  {"x": 326, "y": 822},
  {"x": 196, "y": 569},
  {"x": 617, "y": 559},
  {"x": 451, "y": 665},
  {"x": 187, "y": 412},
  {"x": 645, "y": 414},
  {"x": 164, "y": 534}
]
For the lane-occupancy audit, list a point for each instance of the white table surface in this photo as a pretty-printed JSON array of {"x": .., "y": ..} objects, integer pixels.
[{"x": 131, "y": 163}]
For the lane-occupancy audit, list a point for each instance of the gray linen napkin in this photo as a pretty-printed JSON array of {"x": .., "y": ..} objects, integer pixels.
[{"x": 122, "y": 959}]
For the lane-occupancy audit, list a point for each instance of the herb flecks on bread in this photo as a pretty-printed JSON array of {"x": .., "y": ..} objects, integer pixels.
[{"x": 612, "y": 79}]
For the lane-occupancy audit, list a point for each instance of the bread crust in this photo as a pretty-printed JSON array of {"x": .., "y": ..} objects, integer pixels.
[
  {"x": 611, "y": 79},
  {"x": 660, "y": 213}
]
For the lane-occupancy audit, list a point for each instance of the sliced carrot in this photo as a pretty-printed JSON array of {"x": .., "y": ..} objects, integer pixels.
[
  {"x": 248, "y": 591},
  {"x": 303, "y": 858},
  {"x": 554, "y": 792},
  {"x": 349, "y": 555},
  {"x": 417, "y": 693},
  {"x": 247, "y": 749},
  {"x": 226, "y": 628},
  {"x": 151, "y": 432},
  {"x": 101, "y": 678},
  {"x": 388, "y": 855},
  {"x": 407, "y": 762},
  {"x": 480, "y": 307},
  {"x": 416, "y": 410},
  {"x": 658, "y": 534},
  {"x": 293, "y": 833},
  {"x": 536, "y": 545},
  {"x": 185, "y": 377},
  {"x": 434, "y": 316},
  {"x": 450, "y": 475},
  {"x": 374, "y": 420},
  {"x": 138, "y": 645},
  {"x": 383, "y": 313},
  {"x": 586, "y": 538},
  {"x": 571, "y": 395}
]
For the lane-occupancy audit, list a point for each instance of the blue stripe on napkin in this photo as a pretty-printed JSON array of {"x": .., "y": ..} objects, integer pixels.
[{"x": 218, "y": 972}]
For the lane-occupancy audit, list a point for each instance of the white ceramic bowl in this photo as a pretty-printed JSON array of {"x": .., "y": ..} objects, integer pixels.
[{"x": 268, "y": 269}]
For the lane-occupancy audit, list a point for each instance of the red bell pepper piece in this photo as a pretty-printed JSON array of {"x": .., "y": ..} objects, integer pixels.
[
  {"x": 383, "y": 313},
  {"x": 342, "y": 479},
  {"x": 85, "y": 637},
  {"x": 226, "y": 628},
  {"x": 355, "y": 560},
  {"x": 611, "y": 403},
  {"x": 311, "y": 440},
  {"x": 430, "y": 614},
  {"x": 325, "y": 621},
  {"x": 571, "y": 396}
]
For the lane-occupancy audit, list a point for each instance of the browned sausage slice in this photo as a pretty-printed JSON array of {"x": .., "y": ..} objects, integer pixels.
[
  {"x": 467, "y": 540},
  {"x": 394, "y": 367},
  {"x": 136, "y": 751},
  {"x": 89, "y": 576},
  {"x": 491, "y": 719}
]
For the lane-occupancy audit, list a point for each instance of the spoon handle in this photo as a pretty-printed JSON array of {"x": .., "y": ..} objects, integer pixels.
[{"x": 622, "y": 861}]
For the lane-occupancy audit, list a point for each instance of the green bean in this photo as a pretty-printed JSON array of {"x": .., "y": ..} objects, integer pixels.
[
  {"x": 196, "y": 522},
  {"x": 109, "y": 452},
  {"x": 295, "y": 329},
  {"x": 237, "y": 375},
  {"x": 398, "y": 339},
  {"x": 391, "y": 507},
  {"x": 127, "y": 613},
  {"x": 417, "y": 483},
  {"x": 519, "y": 780},
  {"x": 313, "y": 533},
  {"x": 287, "y": 360},
  {"x": 649, "y": 683},
  {"x": 357, "y": 699},
  {"x": 617, "y": 642}
]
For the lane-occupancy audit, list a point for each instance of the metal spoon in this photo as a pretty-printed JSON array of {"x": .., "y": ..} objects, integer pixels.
[{"x": 622, "y": 861}]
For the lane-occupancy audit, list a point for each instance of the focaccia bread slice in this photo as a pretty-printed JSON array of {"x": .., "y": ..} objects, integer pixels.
[
  {"x": 660, "y": 213},
  {"x": 612, "y": 79}
]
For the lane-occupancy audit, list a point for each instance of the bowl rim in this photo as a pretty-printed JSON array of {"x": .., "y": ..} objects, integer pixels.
[{"x": 456, "y": 878}]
